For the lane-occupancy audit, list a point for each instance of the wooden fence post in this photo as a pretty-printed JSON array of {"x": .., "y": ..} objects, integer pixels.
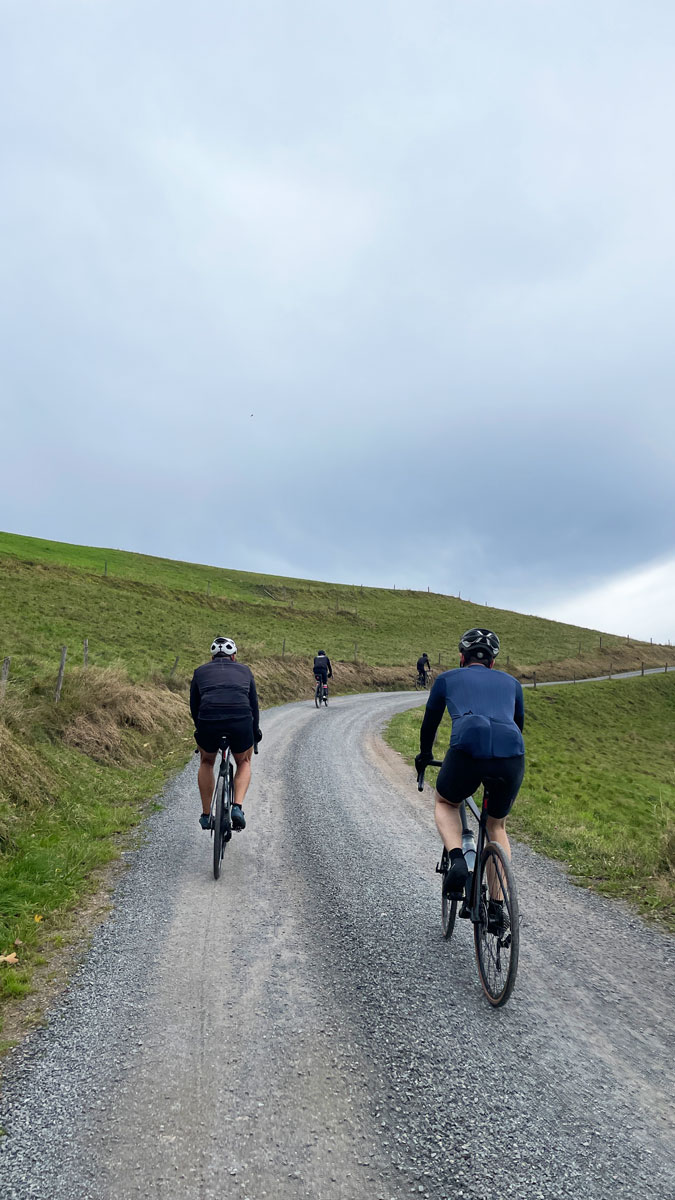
[
  {"x": 534, "y": 674},
  {"x": 356, "y": 651},
  {"x": 86, "y": 652},
  {"x": 574, "y": 677},
  {"x": 208, "y": 587},
  {"x": 439, "y": 658},
  {"x": 601, "y": 641},
  {"x": 4, "y": 677},
  {"x": 643, "y": 669},
  {"x": 283, "y": 648},
  {"x": 610, "y": 671},
  {"x": 665, "y": 668},
  {"x": 59, "y": 681},
  {"x": 172, "y": 672},
  {"x": 105, "y": 567}
]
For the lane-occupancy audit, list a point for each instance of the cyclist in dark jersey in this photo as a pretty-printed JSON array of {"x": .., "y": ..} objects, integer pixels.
[
  {"x": 224, "y": 701},
  {"x": 486, "y": 746},
  {"x": 423, "y": 665},
  {"x": 322, "y": 668}
]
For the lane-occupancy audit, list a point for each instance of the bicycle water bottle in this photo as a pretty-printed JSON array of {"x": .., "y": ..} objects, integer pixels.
[{"x": 469, "y": 849}]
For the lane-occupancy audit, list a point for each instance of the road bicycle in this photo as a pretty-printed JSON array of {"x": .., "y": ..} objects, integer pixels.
[
  {"x": 321, "y": 694},
  {"x": 424, "y": 680},
  {"x": 490, "y": 902},
  {"x": 221, "y": 804}
]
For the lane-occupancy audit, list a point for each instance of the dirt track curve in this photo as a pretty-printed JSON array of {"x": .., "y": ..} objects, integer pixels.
[{"x": 300, "y": 1029}]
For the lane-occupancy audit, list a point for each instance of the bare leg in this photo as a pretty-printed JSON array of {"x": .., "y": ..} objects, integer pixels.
[
  {"x": 205, "y": 779},
  {"x": 448, "y": 823},
  {"x": 496, "y": 831},
  {"x": 242, "y": 776}
]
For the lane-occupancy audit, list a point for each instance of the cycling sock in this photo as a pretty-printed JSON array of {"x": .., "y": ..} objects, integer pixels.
[{"x": 455, "y": 855}]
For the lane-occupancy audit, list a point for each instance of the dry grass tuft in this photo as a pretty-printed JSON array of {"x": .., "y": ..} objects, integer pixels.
[{"x": 101, "y": 708}]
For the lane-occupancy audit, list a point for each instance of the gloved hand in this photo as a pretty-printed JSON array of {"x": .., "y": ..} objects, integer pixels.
[
  {"x": 257, "y": 735},
  {"x": 422, "y": 761}
]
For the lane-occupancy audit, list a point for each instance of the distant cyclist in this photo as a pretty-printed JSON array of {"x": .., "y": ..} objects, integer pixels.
[
  {"x": 224, "y": 701},
  {"x": 486, "y": 747},
  {"x": 423, "y": 665},
  {"x": 323, "y": 671}
]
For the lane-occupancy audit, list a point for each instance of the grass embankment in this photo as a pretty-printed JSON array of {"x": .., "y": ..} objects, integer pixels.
[
  {"x": 74, "y": 775},
  {"x": 599, "y": 788}
]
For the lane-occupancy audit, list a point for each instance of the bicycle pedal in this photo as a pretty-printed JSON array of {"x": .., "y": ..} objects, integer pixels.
[{"x": 440, "y": 869}]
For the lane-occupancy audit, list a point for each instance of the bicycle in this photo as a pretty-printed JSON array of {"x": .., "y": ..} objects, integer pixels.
[
  {"x": 424, "y": 680},
  {"x": 221, "y": 804},
  {"x": 321, "y": 693},
  {"x": 496, "y": 927}
]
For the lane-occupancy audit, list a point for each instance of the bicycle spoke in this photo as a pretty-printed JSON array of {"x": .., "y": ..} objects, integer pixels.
[{"x": 496, "y": 935}]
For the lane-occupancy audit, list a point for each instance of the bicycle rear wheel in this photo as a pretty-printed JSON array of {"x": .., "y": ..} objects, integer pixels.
[
  {"x": 497, "y": 932},
  {"x": 218, "y": 825},
  {"x": 317, "y": 696},
  {"x": 448, "y": 906}
]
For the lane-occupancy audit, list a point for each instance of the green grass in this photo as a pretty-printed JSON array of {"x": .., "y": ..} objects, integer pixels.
[
  {"x": 599, "y": 788},
  {"x": 71, "y": 826},
  {"x": 148, "y": 610}
]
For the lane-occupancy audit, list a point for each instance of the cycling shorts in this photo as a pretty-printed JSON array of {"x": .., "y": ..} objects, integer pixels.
[
  {"x": 461, "y": 776},
  {"x": 238, "y": 730},
  {"x": 321, "y": 676}
]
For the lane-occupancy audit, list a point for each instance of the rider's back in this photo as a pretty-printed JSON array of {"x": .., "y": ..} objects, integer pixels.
[
  {"x": 223, "y": 687},
  {"x": 486, "y": 709}
]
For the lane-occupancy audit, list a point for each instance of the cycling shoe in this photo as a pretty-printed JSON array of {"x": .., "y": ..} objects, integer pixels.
[
  {"x": 238, "y": 818},
  {"x": 454, "y": 881},
  {"x": 205, "y": 820}
]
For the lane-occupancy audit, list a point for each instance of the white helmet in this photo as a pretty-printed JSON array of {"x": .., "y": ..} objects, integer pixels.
[{"x": 223, "y": 645}]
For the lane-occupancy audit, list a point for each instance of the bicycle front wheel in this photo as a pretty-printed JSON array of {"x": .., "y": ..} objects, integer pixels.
[
  {"x": 497, "y": 932},
  {"x": 218, "y": 826}
]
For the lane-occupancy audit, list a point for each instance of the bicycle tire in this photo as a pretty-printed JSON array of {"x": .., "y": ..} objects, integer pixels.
[
  {"x": 448, "y": 906},
  {"x": 218, "y": 823},
  {"x": 317, "y": 696},
  {"x": 497, "y": 954},
  {"x": 418, "y": 684}
]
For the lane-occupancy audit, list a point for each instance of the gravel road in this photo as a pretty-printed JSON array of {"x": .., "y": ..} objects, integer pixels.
[{"x": 300, "y": 1029}]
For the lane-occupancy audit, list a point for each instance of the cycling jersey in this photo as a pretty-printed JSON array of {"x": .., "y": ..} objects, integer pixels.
[
  {"x": 487, "y": 712},
  {"x": 322, "y": 666},
  {"x": 423, "y": 664},
  {"x": 223, "y": 688}
]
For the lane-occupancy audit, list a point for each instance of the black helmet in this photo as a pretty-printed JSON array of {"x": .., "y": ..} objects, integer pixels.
[
  {"x": 320, "y": 652},
  {"x": 479, "y": 643}
]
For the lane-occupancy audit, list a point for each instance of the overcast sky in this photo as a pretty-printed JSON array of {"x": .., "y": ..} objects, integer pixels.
[{"x": 379, "y": 293}]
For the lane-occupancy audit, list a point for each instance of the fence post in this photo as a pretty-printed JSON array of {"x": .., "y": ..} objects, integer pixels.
[
  {"x": 105, "y": 567},
  {"x": 4, "y": 677},
  {"x": 208, "y": 587},
  {"x": 86, "y": 652},
  {"x": 643, "y": 669},
  {"x": 665, "y": 668},
  {"x": 610, "y": 671},
  {"x": 534, "y": 673},
  {"x": 508, "y": 661},
  {"x": 173, "y": 669},
  {"x": 601, "y": 641},
  {"x": 59, "y": 681},
  {"x": 439, "y": 658},
  {"x": 427, "y": 589},
  {"x": 356, "y": 651},
  {"x": 574, "y": 677},
  {"x": 283, "y": 648}
]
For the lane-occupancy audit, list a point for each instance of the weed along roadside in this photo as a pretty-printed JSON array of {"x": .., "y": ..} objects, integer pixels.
[{"x": 599, "y": 789}]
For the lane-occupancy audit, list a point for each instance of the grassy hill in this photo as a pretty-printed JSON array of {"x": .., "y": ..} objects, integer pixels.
[
  {"x": 146, "y": 611},
  {"x": 599, "y": 787},
  {"x": 74, "y": 776}
]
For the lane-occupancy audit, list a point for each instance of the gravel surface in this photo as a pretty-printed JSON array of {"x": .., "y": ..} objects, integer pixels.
[{"x": 300, "y": 1029}]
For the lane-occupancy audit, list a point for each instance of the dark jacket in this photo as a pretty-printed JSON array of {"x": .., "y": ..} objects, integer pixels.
[
  {"x": 486, "y": 709},
  {"x": 322, "y": 665},
  {"x": 222, "y": 688}
]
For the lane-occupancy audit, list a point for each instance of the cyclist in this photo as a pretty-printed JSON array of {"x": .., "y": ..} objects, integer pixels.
[
  {"x": 423, "y": 665},
  {"x": 223, "y": 700},
  {"x": 486, "y": 747},
  {"x": 323, "y": 671}
]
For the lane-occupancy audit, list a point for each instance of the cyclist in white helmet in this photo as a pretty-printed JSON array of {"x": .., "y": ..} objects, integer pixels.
[{"x": 224, "y": 701}]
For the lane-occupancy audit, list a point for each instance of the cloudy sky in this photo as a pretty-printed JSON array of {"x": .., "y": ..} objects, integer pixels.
[{"x": 380, "y": 292}]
